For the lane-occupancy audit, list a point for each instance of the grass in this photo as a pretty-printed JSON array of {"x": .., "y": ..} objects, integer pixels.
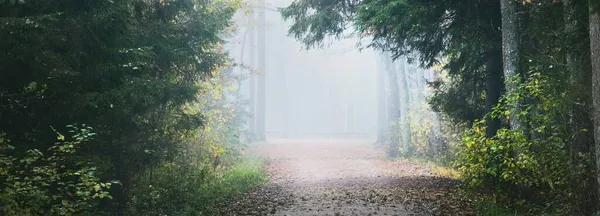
[
  {"x": 245, "y": 176},
  {"x": 241, "y": 178},
  {"x": 177, "y": 190}
]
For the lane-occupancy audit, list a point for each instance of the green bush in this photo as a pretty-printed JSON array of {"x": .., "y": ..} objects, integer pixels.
[
  {"x": 52, "y": 183},
  {"x": 173, "y": 190},
  {"x": 246, "y": 175},
  {"x": 191, "y": 190},
  {"x": 491, "y": 209},
  {"x": 530, "y": 167}
]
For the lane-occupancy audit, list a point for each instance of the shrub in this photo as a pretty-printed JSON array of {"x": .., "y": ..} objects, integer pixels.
[
  {"x": 192, "y": 190},
  {"x": 530, "y": 167},
  {"x": 51, "y": 183}
]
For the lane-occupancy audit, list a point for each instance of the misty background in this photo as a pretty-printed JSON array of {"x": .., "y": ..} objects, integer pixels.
[{"x": 326, "y": 91}]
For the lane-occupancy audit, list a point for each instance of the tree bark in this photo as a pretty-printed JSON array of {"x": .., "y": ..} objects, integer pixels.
[
  {"x": 252, "y": 82},
  {"x": 262, "y": 66},
  {"x": 595, "y": 58},
  {"x": 511, "y": 53},
  {"x": 405, "y": 107},
  {"x": 579, "y": 70},
  {"x": 492, "y": 89},
  {"x": 382, "y": 121},
  {"x": 284, "y": 94},
  {"x": 393, "y": 107}
]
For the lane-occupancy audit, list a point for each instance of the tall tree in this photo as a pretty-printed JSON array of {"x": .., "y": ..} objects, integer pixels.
[
  {"x": 124, "y": 67},
  {"x": 262, "y": 67},
  {"x": 405, "y": 105},
  {"x": 595, "y": 57},
  {"x": 285, "y": 121},
  {"x": 382, "y": 120},
  {"x": 577, "y": 55},
  {"x": 252, "y": 78},
  {"x": 393, "y": 108},
  {"x": 510, "y": 53},
  {"x": 493, "y": 88}
]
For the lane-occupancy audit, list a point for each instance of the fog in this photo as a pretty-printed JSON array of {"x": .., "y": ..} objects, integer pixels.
[
  {"x": 324, "y": 91},
  {"x": 210, "y": 107}
]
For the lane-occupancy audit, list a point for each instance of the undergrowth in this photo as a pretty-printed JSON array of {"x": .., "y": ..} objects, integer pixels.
[
  {"x": 178, "y": 190},
  {"x": 489, "y": 209},
  {"x": 245, "y": 176}
]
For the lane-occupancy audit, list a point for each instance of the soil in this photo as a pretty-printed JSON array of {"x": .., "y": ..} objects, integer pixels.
[{"x": 345, "y": 177}]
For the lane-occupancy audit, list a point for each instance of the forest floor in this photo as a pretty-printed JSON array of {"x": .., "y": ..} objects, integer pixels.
[{"x": 346, "y": 177}]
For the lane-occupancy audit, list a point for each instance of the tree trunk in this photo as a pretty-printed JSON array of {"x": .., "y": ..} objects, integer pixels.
[
  {"x": 284, "y": 94},
  {"x": 492, "y": 89},
  {"x": 405, "y": 106},
  {"x": 381, "y": 105},
  {"x": 393, "y": 107},
  {"x": 262, "y": 66},
  {"x": 252, "y": 82},
  {"x": 595, "y": 58},
  {"x": 510, "y": 51},
  {"x": 578, "y": 67}
]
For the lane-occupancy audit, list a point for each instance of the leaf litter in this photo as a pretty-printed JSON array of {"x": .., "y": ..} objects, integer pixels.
[{"x": 345, "y": 177}]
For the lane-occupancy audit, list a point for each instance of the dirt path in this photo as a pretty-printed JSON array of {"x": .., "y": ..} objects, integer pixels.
[{"x": 345, "y": 177}]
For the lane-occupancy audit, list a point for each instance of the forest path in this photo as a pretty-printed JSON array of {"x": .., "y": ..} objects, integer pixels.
[{"x": 345, "y": 177}]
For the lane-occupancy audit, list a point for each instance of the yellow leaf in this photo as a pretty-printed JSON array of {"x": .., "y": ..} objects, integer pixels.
[{"x": 60, "y": 137}]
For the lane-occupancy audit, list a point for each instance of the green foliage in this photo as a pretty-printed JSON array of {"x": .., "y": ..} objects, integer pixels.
[
  {"x": 127, "y": 67},
  {"x": 494, "y": 210},
  {"x": 459, "y": 99},
  {"x": 531, "y": 167},
  {"x": 462, "y": 36},
  {"x": 249, "y": 173},
  {"x": 192, "y": 190},
  {"x": 52, "y": 182},
  {"x": 421, "y": 126},
  {"x": 208, "y": 169},
  {"x": 314, "y": 21},
  {"x": 174, "y": 190}
]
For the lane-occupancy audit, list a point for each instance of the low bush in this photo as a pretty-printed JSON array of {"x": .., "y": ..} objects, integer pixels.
[
  {"x": 191, "y": 190},
  {"x": 530, "y": 170},
  {"x": 53, "y": 182}
]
